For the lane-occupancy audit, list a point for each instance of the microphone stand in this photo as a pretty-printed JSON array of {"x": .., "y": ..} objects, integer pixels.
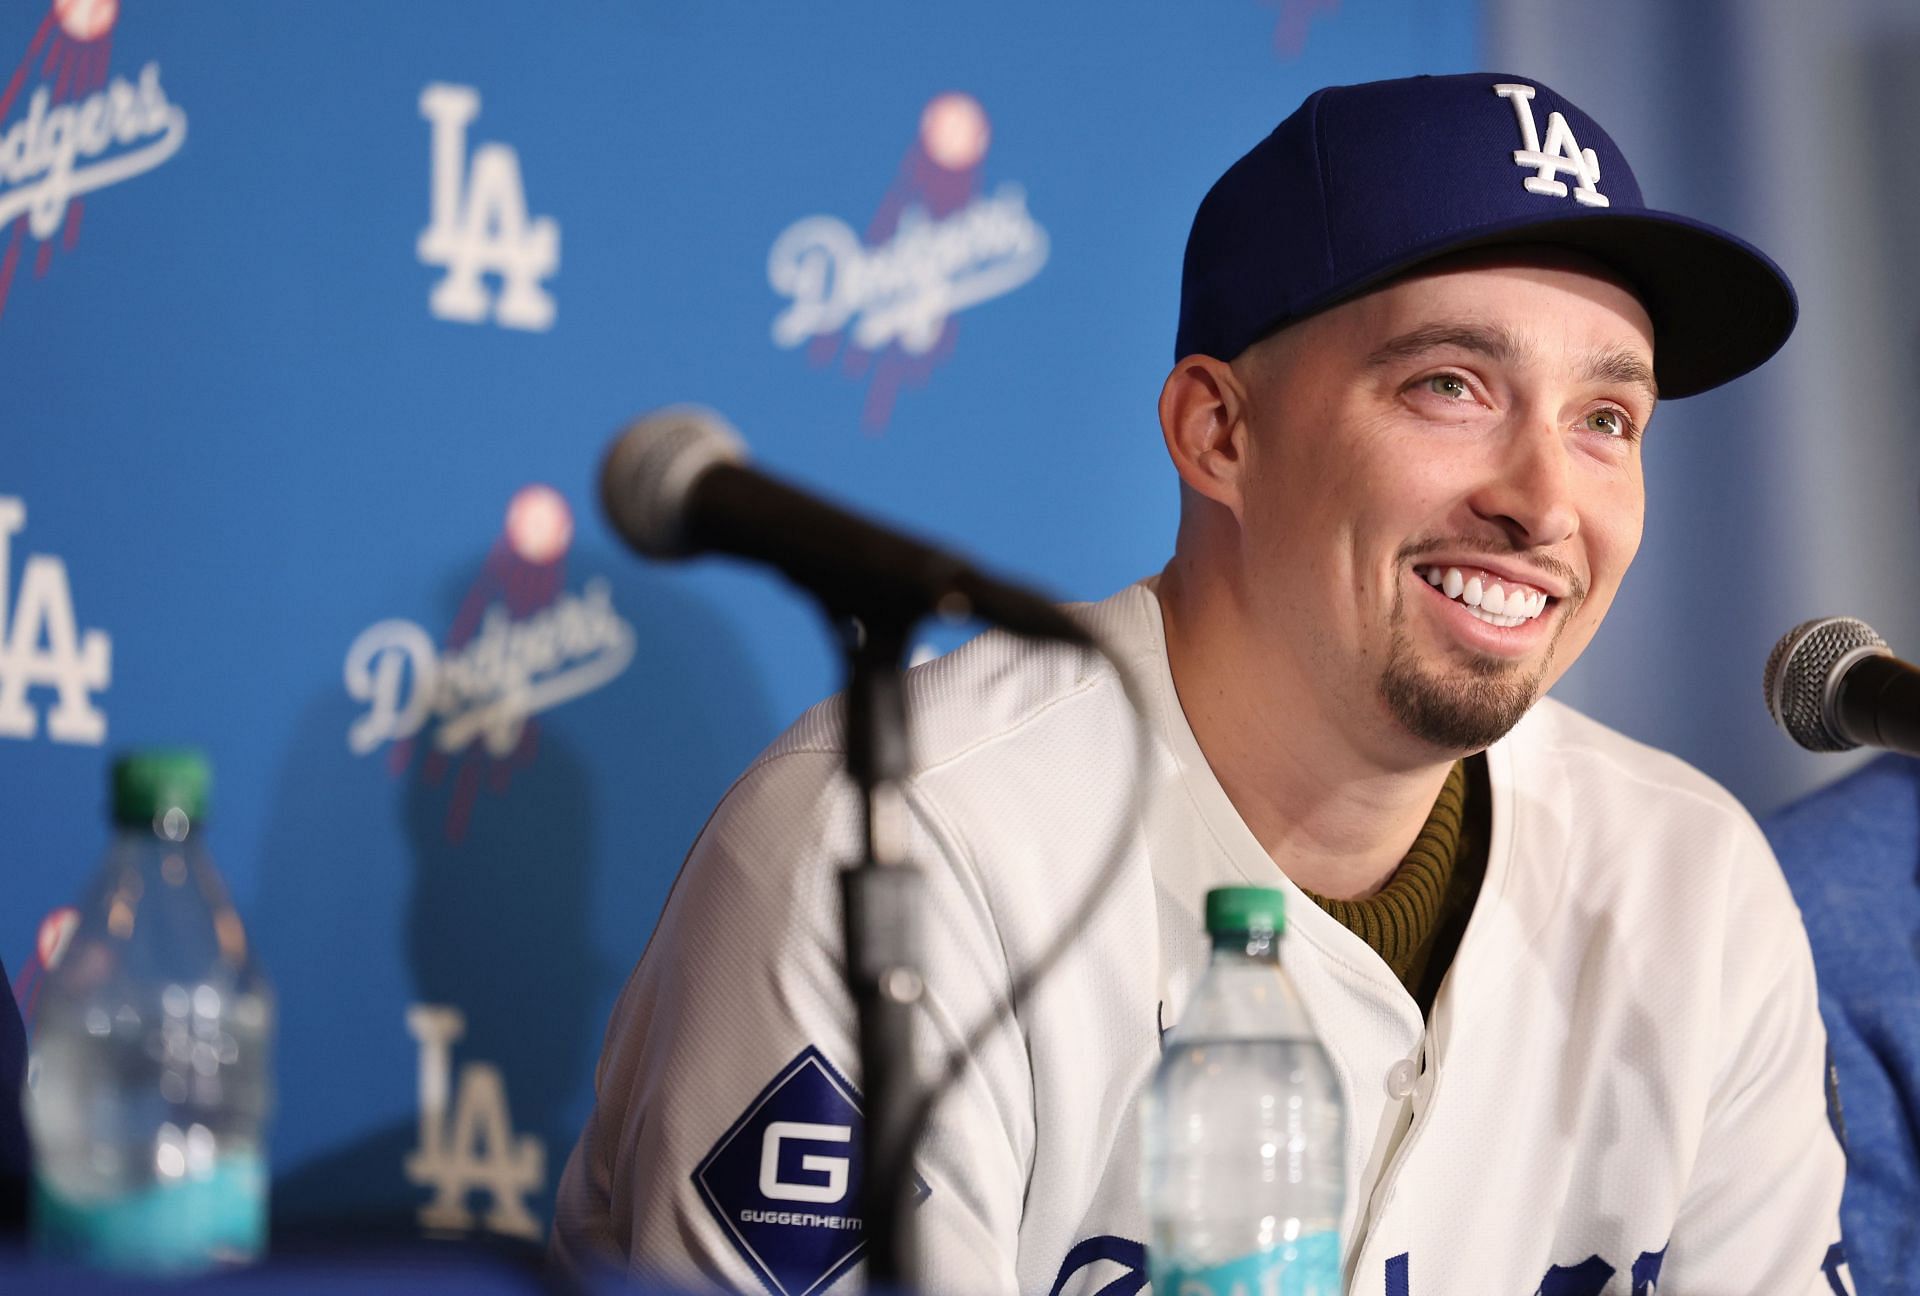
[{"x": 881, "y": 900}]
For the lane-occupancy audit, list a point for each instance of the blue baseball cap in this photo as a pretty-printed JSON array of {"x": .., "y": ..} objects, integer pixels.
[{"x": 1365, "y": 182}]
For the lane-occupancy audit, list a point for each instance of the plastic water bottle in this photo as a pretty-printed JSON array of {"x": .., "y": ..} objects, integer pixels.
[
  {"x": 1243, "y": 1129},
  {"x": 148, "y": 1075}
]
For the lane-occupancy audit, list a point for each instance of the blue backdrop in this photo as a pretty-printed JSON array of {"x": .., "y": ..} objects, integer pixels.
[
  {"x": 316, "y": 322},
  {"x": 1790, "y": 494}
]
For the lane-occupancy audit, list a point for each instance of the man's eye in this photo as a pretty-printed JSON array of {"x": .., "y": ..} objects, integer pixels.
[
  {"x": 1452, "y": 386},
  {"x": 1610, "y": 422}
]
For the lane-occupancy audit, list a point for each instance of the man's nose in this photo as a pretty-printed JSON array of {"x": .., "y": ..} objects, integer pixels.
[{"x": 1528, "y": 489}]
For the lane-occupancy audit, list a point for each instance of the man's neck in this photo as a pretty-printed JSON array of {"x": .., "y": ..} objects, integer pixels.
[{"x": 1334, "y": 818}]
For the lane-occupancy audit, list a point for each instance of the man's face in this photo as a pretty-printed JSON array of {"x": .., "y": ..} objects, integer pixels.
[{"x": 1443, "y": 489}]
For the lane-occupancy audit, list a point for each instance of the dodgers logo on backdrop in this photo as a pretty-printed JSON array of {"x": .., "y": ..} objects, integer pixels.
[
  {"x": 936, "y": 247},
  {"x": 82, "y": 130},
  {"x": 521, "y": 644},
  {"x": 42, "y": 646},
  {"x": 1559, "y": 154},
  {"x": 784, "y": 1180},
  {"x": 471, "y": 1147},
  {"x": 480, "y": 224}
]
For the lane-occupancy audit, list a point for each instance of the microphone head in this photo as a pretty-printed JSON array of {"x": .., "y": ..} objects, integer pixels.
[
  {"x": 1803, "y": 676},
  {"x": 650, "y": 470}
]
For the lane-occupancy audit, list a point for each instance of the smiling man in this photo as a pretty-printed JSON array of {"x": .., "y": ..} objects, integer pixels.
[
  {"x": 1423, "y": 329},
  {"x": 1404, "y": 516}
]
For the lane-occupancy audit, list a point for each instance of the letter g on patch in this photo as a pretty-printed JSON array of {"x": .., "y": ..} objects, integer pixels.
[{"x": 834, "y": 1167}]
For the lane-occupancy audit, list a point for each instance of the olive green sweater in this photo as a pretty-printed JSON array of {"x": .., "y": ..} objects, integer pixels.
[{"x": 1415, "y": 921}]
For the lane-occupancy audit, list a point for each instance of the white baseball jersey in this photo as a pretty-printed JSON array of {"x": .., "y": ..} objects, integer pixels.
[{"x": 1620, "y": 1089}]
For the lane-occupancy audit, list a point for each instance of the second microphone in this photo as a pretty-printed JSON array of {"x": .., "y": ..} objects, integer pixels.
[{"x": 1833, "y": 685}]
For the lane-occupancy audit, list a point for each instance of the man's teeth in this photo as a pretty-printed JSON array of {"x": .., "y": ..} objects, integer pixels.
[{"x": 1487, "y": 599}]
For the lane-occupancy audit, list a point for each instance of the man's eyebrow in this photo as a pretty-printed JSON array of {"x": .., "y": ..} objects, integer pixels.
[
  {"x": 1623, "y": 367},
  {"x": 1494, "y": 343},
  {"x": 1613, "y": 366}
]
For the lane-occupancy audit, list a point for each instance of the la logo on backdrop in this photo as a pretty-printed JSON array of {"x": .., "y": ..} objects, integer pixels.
[
  {"x": 42, "y": 646},
  {"x": 470, "y": 1144},
  {"x": 936, "y": 246},
  {"x": 521, "y": 644},
  {"x": 479, "y": 224},
  {"x": 68, "y": 128}
]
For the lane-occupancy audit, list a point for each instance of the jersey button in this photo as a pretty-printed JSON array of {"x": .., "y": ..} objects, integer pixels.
[{"x": 1401, "y": 1077}]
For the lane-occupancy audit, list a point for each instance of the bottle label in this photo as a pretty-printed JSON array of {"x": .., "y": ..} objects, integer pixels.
[
  {"x": 179, "y": 1227},
  {"x": 1308, "y": 1267}
]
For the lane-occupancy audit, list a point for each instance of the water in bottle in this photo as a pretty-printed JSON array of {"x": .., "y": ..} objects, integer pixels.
[
  {"x": 1243, "y": 1130},
  {"x": 148, "y": 1076}
]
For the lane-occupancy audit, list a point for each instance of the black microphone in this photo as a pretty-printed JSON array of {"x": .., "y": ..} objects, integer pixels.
[
  {"x": 1833, "y": 685},
  {"x": 676, "y": 483}
]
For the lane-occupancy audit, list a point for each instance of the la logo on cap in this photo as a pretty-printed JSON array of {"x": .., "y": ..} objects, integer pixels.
[{"x": 1561, "y": 154}]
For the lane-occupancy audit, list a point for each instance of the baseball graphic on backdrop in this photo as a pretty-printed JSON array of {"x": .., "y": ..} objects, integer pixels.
[
  {"x": 954, "y": 131},
  {"x": 86, "y": 20},
  {"x": 539, "y": 524}
]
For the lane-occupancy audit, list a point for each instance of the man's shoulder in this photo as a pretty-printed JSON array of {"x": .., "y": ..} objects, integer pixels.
[
  {"x": 1594, "y": 760},
  {"x": 1653, "y": 847},
  {"x": 1636, "y": 821}
]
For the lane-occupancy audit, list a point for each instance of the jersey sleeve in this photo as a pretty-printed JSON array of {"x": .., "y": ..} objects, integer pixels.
[
  {"x": 1762, "y": 1209},
  {"x": 723, "y": 1150}
]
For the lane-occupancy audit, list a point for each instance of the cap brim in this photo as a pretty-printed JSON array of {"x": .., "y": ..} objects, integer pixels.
[{"x": 1720, "y": 307}]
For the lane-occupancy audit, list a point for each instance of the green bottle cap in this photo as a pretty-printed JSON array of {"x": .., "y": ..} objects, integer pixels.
[
  {"x": 1246, "y": 909},
  {"x": 147, "y": 784}
]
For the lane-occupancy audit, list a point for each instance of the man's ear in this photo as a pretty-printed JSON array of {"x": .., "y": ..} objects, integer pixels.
[{"x": 1203, "y": 416}]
